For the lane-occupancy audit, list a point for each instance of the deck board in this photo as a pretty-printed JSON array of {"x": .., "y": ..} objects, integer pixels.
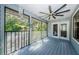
[{"x": 48, "y": 46}]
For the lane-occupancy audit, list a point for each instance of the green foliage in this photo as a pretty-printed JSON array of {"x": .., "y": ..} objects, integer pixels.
[
  {"x": 38, "y": 26},
  {"x": 13, "y": 23}
]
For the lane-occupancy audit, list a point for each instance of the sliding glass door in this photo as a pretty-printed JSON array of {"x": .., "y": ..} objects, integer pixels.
[
  {"x": 63, "y": 30},
  {"x": 55, "y": 29}
]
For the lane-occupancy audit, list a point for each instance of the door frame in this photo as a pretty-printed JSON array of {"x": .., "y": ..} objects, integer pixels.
[
  {"x": 57, "y": 30},
  {"x": 67, "y": 38},
  {"x": 59, "y": 33}
]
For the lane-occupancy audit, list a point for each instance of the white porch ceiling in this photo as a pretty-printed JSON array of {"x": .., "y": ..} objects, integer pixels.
[{"x": 37, "y": 8}]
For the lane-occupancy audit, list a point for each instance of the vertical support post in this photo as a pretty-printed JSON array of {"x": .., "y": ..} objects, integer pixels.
[
  {"x": 2, "y": 30},
  {"x": 70, "y": 28},
  {"x": 10, "y": 42},
  {"x": 15, "y": 41},
  {"x": 30, "y": 30},
  {"x": 41, "y": 31},
  {"x": 49, "y": 29}
]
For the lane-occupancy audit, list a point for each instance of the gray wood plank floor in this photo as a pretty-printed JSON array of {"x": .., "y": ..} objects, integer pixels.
[{"x": 48, "y": 46}]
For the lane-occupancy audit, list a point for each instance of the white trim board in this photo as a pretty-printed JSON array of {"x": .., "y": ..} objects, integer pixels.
[{"x": 59, "y": 24}]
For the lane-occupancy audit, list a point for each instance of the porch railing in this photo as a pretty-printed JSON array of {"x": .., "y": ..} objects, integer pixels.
[{"x": 15, "y": 40}]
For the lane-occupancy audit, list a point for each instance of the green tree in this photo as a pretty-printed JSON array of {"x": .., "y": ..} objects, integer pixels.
[{"x": 13, "y": 23}]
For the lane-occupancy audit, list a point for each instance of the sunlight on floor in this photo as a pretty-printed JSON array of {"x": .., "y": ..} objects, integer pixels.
[
  {"x": 36, "y": 46},
  {"x": 39, "y": 44},
  {"x": 45, "y": 40}
]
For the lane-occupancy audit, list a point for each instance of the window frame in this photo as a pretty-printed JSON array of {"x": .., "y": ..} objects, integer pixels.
[{"x": 73, "y": 25}]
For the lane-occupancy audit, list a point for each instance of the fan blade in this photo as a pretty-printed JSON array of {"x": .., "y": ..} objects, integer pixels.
[
  {"x": 63, "y": 11},
  {"x": 53, "y": 16},
  {"x": 60, "y": 8},
  {"x": 59, "y": 15},
  {"x": 44, "y": 13},
  {"x": 50, "y": 10}
]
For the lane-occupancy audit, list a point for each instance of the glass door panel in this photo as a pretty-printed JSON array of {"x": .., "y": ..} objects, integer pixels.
[
  {"x": 55, "y": 29},
  {"x": 63, "y": 30}
]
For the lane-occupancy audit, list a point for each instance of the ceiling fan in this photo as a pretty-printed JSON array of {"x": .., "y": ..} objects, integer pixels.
[{"x": 55, "y": 13}]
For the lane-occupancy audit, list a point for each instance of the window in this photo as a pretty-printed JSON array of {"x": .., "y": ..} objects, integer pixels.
[
  {"x": 16, "y": 30},
  {"x": 76, "y": 26}
]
